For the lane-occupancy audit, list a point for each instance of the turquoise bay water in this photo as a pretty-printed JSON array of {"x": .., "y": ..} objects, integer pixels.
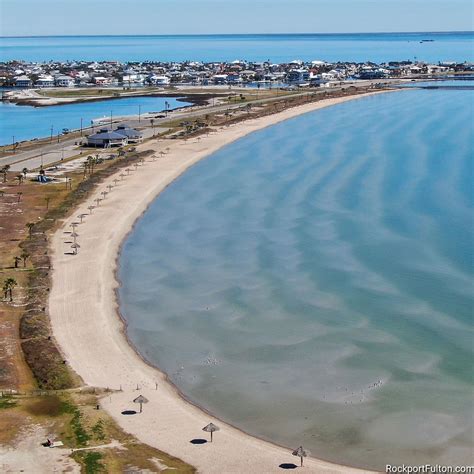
[
  {"x": 312, "y": 283},
  {"x": 26, "y": 122},
  {"x": 378, "y": 47}
]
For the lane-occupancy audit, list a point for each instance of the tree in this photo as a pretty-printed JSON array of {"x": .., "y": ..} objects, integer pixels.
[
  {"x": 24, "y": 256},
  {"x": 5, "y": 172},
  {"x": 24, "y": 171},
  {"x": 19, "y": 177},
  {"x": 19, "y": 196},
  {"x": 8, "y": 286},
  {"x": 47, "y": 199},
  {"x": 17, "y": 261},
  {"x": 89, "y": 160},
  {"x": 30, "y": 226}
]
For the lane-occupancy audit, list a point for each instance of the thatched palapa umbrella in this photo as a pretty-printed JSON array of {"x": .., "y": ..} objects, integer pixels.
[
  {"x": 210, "y": 428},
  {"x": 301, "y": 453},
  {"x": 141, "y": 400},
  {"x": 75, "y": 246}
]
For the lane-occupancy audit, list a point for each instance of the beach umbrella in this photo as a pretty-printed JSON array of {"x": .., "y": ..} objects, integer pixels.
[
  {"x": 210, "y": 428},
  {"x": 141, "y": 400},
  {"x": 74, "y": 235},
  {"x": 81, "y": 216},
  {"x": 75, "y": 246},
  {"x": 301, "y": 453}
]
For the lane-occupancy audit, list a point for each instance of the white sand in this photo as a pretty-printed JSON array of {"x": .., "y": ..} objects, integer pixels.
[{"x": 85, "y": 320}]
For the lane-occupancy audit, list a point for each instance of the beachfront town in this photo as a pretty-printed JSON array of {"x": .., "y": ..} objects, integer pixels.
[{"x": 239, "y": 73}]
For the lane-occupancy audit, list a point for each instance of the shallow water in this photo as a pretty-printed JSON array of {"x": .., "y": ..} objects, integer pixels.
[
  {"x": 312, "y": 283},
  {"x": 448, "y": 46},
  {"x": 25, "y": 122}
]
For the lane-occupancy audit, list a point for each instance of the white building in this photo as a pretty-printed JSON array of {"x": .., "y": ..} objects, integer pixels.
[
  {"x": 64, "y": 81},
  {"x": 45, "y": 81},
  {"x": 159, "y": 80}
]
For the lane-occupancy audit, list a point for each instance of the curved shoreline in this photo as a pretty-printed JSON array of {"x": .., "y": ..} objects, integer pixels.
[{"x": 84, "y": 308}]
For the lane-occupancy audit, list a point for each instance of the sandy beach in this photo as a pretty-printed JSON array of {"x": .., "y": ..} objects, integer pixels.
[{"x": 85, "y": 322}]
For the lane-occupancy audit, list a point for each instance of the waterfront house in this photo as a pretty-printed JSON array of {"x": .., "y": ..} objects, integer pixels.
[
  {"x": 64, "y": 81},
  {"x": 22, "y": 81},
  {"x": 106, "y": 138},
  {"x": 220, "y": 79},
  {"x": 298, "y": 76},
  {"x": 45, "y": 81}
]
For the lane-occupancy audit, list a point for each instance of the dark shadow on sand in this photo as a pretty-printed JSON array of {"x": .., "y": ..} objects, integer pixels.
[
  {"x": 288, "y": 465},
  {"x": 129, "y": 412},
  {"x": 198, "y": 441}
]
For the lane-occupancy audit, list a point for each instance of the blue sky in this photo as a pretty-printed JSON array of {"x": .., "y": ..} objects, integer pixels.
[{"x": 74, "y": 17}]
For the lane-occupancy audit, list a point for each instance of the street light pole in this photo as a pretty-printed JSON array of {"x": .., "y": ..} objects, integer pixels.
[
  {"x": 81, "y": 126},
  {"x": 13, "y": 143},
  {"x": 139, "y": 113},
  {"x": 51, "y": 138}
]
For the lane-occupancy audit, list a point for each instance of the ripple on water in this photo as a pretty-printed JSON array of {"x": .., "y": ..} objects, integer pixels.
[{"x": 312, "y": 283}]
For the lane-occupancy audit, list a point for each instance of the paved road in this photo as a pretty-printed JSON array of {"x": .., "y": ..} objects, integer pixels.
[{"x": 67, "y": 148}]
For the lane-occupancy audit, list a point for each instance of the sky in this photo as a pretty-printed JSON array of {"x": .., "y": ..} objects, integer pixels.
[{"x": 128, "y": 17}]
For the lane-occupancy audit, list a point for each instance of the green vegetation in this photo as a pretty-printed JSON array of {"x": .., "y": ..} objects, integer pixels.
[
  {"x": 91, "y": 460},
  {"x": 81, "y": 437},
  {"x": 7, "y": 402},
  {"x": 98, "y": 430}
]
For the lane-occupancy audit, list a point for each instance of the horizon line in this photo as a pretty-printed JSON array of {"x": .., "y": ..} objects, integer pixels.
[{"x": 238, "y": 34}]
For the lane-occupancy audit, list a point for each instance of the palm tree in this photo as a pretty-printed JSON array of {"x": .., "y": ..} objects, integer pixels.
[
  {"x": 30, "y": 226},
  {"x": 19, "y": 196},
  {"x": 17, "y": 261},
  {"x": 5, "y": 172},
  {"x": 19, "y": 177},
  {"x": 24, "y": 171},
  {"x": 24, "y": 256},
  {"x": 8, "y": 286},
  {"x": 90, "y": 163}
]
